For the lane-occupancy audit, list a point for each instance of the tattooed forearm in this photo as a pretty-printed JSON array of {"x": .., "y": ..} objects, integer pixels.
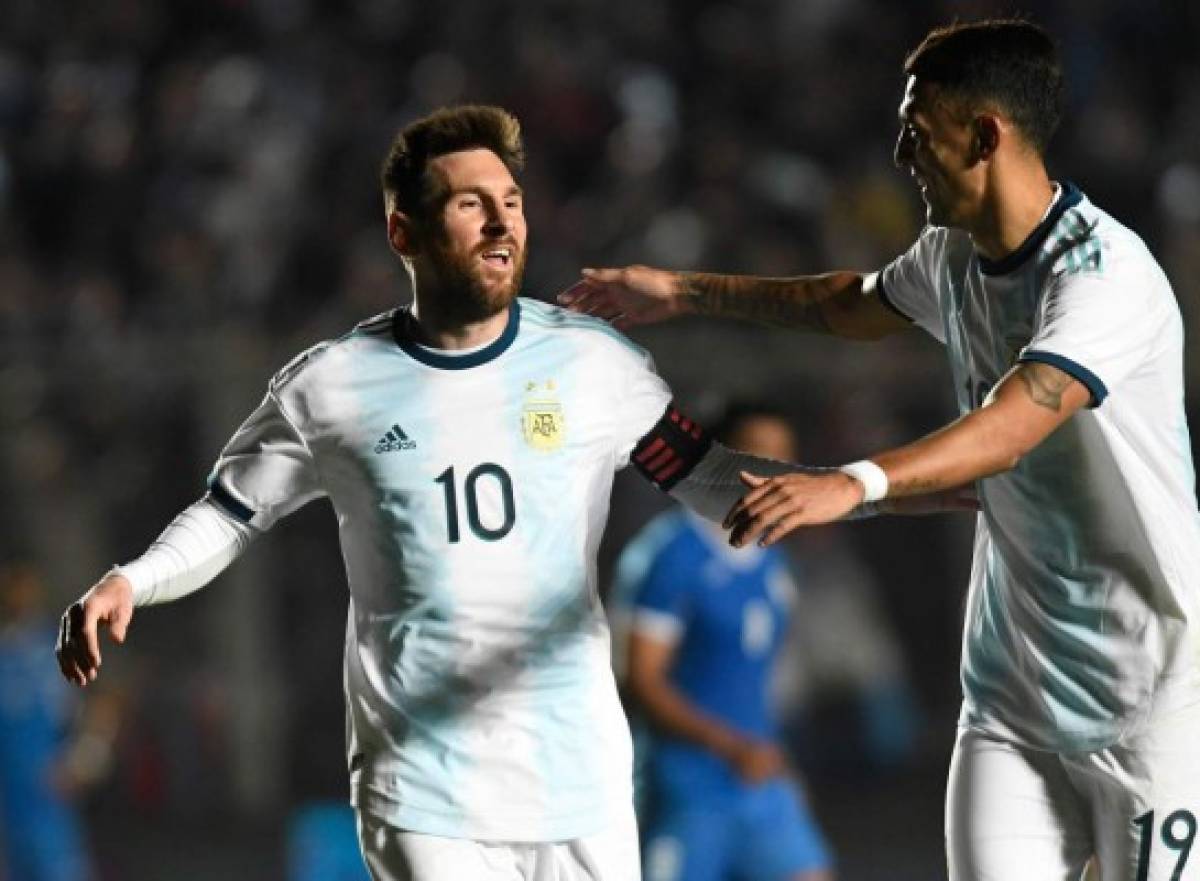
[
  {"x": 793, "y": 303},
  {"x": 1044, "y": 384}
]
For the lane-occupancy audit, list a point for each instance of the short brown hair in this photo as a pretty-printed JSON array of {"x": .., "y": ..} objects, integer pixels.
[
  {"x": 403, "y": 176},
  {"x": 1008, "y": 62}
]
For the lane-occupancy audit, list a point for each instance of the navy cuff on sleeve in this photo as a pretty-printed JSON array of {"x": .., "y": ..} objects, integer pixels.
[{"x": 228, "y": 503}]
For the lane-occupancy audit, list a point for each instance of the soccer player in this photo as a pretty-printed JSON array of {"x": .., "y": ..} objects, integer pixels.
[
  {"x": 52, "y": 750},
  {"x": 468, "y": 447},
  {"x": 1079, "y": 666},
  {"x": 706, "y": 625}
]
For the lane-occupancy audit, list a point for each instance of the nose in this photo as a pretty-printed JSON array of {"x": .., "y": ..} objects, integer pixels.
[{"x": 496, "y": 221}]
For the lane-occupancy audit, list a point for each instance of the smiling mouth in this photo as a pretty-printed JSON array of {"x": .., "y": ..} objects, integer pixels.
[{"x": 501, "y": 257}]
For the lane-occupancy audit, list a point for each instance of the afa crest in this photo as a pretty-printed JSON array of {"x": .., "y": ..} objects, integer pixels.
[{"x": 542, "y": 422}]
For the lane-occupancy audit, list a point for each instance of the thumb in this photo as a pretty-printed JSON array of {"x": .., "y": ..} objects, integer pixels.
[
  {"x": 600, "y": 274},
  {"x": 751, "y": 480}
]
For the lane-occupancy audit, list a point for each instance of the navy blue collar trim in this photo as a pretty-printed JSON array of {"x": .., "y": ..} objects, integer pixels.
[
  {"x": 1071, "y": 196},
  {"x": 404, "y": 327}
]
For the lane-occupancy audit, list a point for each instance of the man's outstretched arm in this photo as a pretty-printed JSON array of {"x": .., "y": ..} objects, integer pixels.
[
  {"x": 679, "y": 457},
  {"x": 844, "y": 304},
  {"x": 1031, "y": 402},
  {"x": 192, "y": 551}
]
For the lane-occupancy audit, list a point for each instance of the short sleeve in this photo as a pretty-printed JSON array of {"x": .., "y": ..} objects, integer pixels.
[
  {"x": 641, "y": 398},
  {"x": 266, "y": 470},
  {"x": 662, "y": 602},
  {"x": 908, "y": 286},
  {"x": 1097, "y": 327},
  {"x": 649, "y": 593}
]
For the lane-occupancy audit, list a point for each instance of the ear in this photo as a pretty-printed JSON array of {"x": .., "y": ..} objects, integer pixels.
[
  {"x": 401, "y": 234},
  {"x": 986, "y": 139}
]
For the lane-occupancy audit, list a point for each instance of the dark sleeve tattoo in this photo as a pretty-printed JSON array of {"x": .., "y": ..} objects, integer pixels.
[
  {"x": 1044, "y": 384},
  {"x": 792, "y": 303}
]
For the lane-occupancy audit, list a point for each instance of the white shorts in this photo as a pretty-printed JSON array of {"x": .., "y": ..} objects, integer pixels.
[
  {"x": 1017, "y": 813},
  {"x": 393, "y": 854}
]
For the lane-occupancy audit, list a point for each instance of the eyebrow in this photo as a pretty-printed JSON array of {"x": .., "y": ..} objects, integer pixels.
[{"x": 513, "y": 190}]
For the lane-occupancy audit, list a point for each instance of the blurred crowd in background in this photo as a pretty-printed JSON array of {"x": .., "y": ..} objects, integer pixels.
[{"x": 188, "y": 197}]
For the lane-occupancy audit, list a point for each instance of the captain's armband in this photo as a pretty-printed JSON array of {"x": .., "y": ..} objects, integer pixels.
[{"x": 671, "y": 449}]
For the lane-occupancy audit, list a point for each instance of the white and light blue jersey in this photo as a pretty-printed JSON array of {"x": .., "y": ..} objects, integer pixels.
[
  {"x": 471, "y": 493},
  {"x": 1085, "y": 589}
]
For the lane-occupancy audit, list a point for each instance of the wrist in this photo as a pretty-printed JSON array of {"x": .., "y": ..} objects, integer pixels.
[
  {"x": 126, "y": 578},
  {"x": 871, "y": 477},
  {"x": 727, "y": 745},
  {"x": 686, "y": 298}
]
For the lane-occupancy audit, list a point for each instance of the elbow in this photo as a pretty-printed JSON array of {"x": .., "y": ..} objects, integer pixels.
[
  {"x": 643, "y": 691},
  {"x": 637, "y": 689}
]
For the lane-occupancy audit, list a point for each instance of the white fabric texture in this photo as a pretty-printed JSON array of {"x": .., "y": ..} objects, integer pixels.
[
  {"x": 1082, "y": 613},
  {"x": 471, "y": 495},
  {"x": 1015, "y": 812},
  {"x": 192, "y": 551},
  {"x": 392, "y": 854}
]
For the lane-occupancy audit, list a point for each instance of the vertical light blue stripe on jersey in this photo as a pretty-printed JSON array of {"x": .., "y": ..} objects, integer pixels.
[
  {"x": 387, "y": 409},
  {"x": 559, "y": 561}
]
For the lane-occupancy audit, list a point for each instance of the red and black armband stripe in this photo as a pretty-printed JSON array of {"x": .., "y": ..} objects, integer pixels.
[{"x": 671, "y": 449}]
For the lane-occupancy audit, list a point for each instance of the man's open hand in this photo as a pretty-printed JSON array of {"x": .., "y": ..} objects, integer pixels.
[
  {"x": 627, "y": 297},
  {"x": 775, "y": 506},
  {"x": 109, "y": 602}
]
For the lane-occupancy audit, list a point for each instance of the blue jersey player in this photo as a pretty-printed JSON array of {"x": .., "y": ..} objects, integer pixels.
[
  {"x": 42, "y": 837},
  {"x": 706, "y": 623}
]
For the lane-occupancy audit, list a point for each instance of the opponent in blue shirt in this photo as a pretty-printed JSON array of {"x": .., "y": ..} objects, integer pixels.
[
  {"x": 706, "y": 622},
  {"x": 41, "y": 833}
]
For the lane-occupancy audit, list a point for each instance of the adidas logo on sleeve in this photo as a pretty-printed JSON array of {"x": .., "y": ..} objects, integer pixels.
[{"x": 395, "y": 440}]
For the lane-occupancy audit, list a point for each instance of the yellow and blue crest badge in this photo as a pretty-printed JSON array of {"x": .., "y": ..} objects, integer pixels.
[{"x": 542, "y": 422}]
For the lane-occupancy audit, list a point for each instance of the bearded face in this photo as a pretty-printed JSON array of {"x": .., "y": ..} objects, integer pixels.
[
  {"x": 475, "y": 284},
  {"x": 472, "y": 256}
]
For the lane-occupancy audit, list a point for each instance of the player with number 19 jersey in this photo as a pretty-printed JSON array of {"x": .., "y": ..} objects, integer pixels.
[{"x": 471, "y": 492}]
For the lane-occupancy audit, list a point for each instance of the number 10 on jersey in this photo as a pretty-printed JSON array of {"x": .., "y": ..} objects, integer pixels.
[{"x": 470, "y": 491}]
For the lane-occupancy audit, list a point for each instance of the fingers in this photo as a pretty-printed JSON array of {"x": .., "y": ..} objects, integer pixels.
[
  {"x": 605, "y": 276},
  {"x": 118, "y": 624},
  {"x": 751, "y": 480},
  {"x": 756, "y": 518},
  {"x": 74, "y": 661},
  {"x": 66, "y": 663},
  {"x": 760, "y": 486},
  {"x": 90, "y": 643},
  {"x": 591, "y": 299},
  {"x": 576, "y": 292},
  {"x": 775, "y": 506},
  {"x": 780, "y": 529}
]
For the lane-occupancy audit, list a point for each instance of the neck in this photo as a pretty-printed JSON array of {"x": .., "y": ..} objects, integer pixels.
[
  {"x": 1012, "y": 212},
  {"x": 441, "y": 331}
]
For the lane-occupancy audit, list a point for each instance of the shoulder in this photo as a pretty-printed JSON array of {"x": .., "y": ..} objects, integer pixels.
[
  {"x": 362, "y": 337},
  {"x": 539, "y": 317},
  {"x": 932, "y": 248},
  {"x": 1088, "y": 241},
  {"x": 936, "y": 241},
  {"x": 661, "y": 538}
]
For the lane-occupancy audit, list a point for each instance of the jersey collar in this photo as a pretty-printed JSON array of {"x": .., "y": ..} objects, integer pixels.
[
  {"x": 404, "y": 332},
  {"x": 1069, "y": 198}
]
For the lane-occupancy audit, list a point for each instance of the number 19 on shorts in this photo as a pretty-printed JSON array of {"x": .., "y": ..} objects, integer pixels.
[{"x": 1178, "y": 832}]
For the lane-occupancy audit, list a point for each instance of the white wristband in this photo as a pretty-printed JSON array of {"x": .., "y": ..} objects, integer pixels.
[{"x": 871, "y": 476}]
